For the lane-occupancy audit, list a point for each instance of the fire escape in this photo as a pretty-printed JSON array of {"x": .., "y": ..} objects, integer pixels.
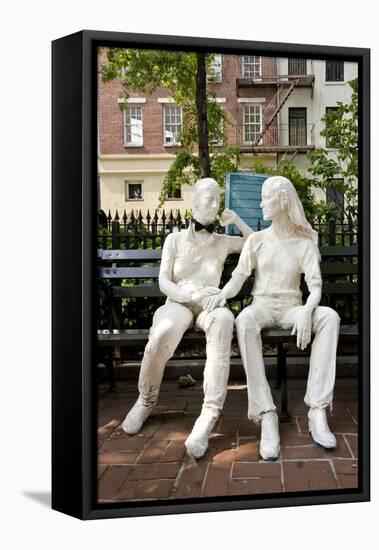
[{"x": 269, "y": 138}]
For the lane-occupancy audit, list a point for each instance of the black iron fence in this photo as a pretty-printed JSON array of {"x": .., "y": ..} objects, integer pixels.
[{"x": 135, "y": 231}]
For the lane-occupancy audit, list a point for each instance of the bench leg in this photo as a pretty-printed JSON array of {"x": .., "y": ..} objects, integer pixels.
[
  {"x": 282, "y": 382},
  {"x": 111, "y": 373},
  {"x": 278, "y": 382},
  {"x": 107, "y": 359}
]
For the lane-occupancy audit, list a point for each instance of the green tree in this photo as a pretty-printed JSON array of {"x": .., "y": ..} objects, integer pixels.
[
  {"x": 338, "y": 165},
  {"x": 184, "y": 75},
  {"x": 304, "y": 186}
]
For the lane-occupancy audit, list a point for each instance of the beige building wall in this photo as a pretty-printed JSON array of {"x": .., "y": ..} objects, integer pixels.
[{"x": 116, "y": 171}]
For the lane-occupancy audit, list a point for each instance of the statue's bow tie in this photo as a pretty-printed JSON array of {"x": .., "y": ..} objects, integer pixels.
[{"x": 199, "y": 226}]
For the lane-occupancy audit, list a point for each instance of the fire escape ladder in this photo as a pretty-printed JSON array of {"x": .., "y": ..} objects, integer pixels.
[
  {"x": 272, "y": 104},
  {"x": 284, "y": 157},
  {"x": 277, "y": 109}
]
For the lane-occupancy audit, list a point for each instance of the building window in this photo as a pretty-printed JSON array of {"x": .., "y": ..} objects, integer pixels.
[
  {"x": 297, "y": 118},
  {"x": 297, "y": 67},
  {"x": 252, "y": 123},
  {"x": 175, "y": 194},
  {"x": 251, "y": 66},
  {"x": 334, "y": 71},
  {"x": 215, "y": 70},
  {"x": 335, "y": 195},
  {"x": 172, "y": 124},
  {"x": 133, "y": 133},
  {"x": 332, "y": 141},
  {"x": 133, "y": 191},
  {"x": 216, "y": 136}
]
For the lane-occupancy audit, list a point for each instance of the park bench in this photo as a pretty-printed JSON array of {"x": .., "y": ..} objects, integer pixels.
[{"x": 134, "y": 274}]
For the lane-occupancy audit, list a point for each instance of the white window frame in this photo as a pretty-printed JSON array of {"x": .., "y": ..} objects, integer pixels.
[
  {"x": 245, "y": 64},
  {"x": 255, "y": 106},
  {"x": 127, "y": 143},
  {"x": 127, "y": 195},
  {"x": 215, "y": 71},
  {"x": 180, "y": 125}
]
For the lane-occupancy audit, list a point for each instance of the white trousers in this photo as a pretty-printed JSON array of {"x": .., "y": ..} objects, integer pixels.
[
  {"x": 268, "y": 311},
  {"x": 170, "y": 321}
]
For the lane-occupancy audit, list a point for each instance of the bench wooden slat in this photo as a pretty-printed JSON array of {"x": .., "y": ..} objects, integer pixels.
[
  {"x": 331, "y": 268},
  {"x": 345, "y": 330},
  {"x": 150, "y": 290},
  {"x": 339, "y": 288},
  {"x": 155, "y": 254},
  {"x": 273, "y": 336},
  {"x": 144, "y": 272},
  {"x": 145, "y": 254},
  {"x": 327, "y": 268},
  {"x": 151, "y": 271},
  {"x": 339, "y": 250}
]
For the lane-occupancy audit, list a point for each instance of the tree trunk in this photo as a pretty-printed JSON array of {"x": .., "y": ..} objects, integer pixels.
[{"x": 202, "y": 119}]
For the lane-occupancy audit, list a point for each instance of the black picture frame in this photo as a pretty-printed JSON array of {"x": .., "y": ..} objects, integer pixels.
[{"x": 74, "y": 176}]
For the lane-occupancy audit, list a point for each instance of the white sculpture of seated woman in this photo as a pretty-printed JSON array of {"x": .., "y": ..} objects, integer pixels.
[
  {"x": 190, "y": 272},
  {"x": 279, "y": 255}
]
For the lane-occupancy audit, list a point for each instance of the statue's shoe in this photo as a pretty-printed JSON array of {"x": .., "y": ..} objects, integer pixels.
[
  {"x": 269, "y": 447},
  {"x": 136, "y": 417},
  {"x": 319, "y": 429},
  {"x": 197, "y": 442}
]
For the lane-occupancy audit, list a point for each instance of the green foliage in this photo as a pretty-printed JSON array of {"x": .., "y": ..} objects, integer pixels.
[
  {"x": 339, "y": 166},
  {"x": 148, "y": 70},
  {"x": 185, "y": 169},
  {"x": 138, "y": 312},
  {"x": 303, "y": 186}
]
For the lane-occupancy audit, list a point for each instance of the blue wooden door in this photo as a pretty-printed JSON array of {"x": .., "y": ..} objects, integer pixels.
[{"x": 243, "y": 195}]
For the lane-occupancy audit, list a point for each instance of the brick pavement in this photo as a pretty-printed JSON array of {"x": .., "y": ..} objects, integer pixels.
[{"x": 153, "y": 463}]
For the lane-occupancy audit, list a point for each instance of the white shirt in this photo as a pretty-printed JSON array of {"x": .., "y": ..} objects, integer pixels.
[
  {"x": 193, "y": 262},
  {"x": 278, "y": 263}
]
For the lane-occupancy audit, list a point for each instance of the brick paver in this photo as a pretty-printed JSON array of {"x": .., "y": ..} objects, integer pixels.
[
  {"x": 217, "y": 479},
  {"x": 140, "y": 490},
  {"x": 352, "y": 441},
  {"x": 111, "y": 481},
  {"x": 153, "y": 464}
]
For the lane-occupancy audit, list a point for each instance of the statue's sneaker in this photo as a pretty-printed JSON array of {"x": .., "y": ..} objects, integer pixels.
[
  {"x": 197, "y": 442},
  {"x": 136, "y": 417},
  {"x": 269, "y": 447},
  {"x": 319, "y": 429}
]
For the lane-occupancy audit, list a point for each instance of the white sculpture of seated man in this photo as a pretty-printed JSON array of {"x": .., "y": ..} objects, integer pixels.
[
  {"x": 279, "y": 255},
  {"x": 190, "y": 272}
]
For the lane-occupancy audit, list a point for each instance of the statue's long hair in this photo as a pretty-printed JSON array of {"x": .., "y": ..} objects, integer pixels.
[{"x": 286, "y": 191}]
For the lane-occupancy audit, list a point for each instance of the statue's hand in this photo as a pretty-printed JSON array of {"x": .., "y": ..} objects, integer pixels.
[
  {"x": 228, "y": 217},
  {"x": 211, "y": 302},
  {"x": 204, "y": 293},
  {"x": 303, "y": 327}
]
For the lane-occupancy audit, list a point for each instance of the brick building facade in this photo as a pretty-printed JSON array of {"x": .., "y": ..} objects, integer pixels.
[{"x": 274, "y": 107}]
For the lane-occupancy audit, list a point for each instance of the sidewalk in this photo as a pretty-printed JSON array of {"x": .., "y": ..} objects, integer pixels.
[{"x": 153, "y": 463}]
